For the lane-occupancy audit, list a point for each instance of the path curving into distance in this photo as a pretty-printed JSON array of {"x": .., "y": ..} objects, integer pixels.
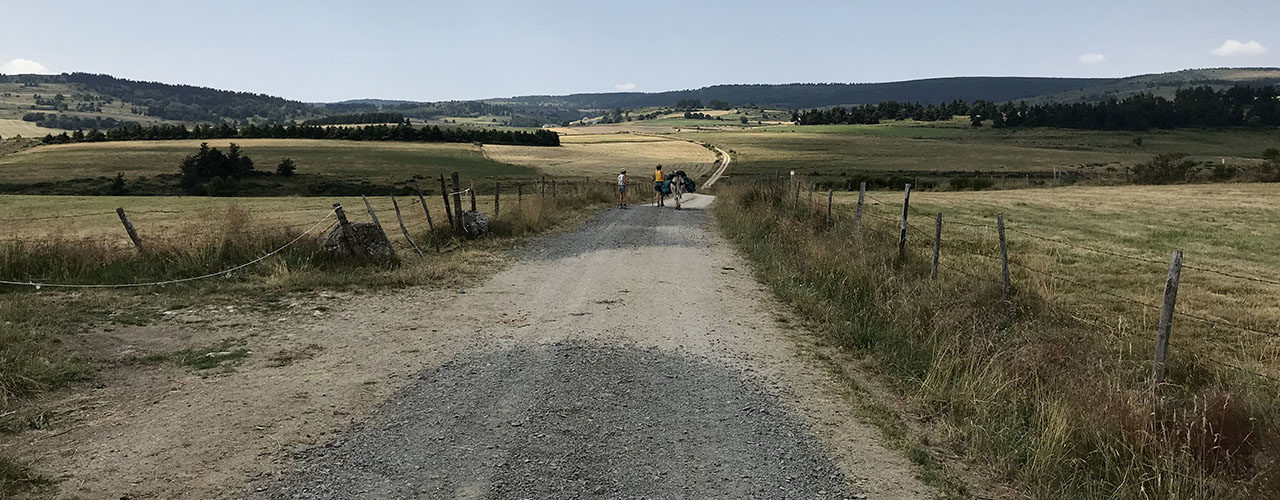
[
  {"x": 635, "y": 357},
  {"x": 723, "y": 166}
]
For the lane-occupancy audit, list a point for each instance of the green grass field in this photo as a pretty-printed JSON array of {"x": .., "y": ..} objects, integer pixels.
[{"x": 379, "y": 162}]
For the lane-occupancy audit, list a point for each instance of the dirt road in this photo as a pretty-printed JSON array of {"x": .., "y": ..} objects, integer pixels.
[
  {"x": 594, "y": 379},
  {"x": 635, "y": 357}
]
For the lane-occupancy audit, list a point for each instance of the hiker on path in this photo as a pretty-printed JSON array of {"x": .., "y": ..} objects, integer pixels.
[
  {"x": 658, "y": 179},
  {"x": 622, "y": 189}
]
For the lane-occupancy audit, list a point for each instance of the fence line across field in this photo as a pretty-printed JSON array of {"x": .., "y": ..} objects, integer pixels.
[
  {"x": 1167, "y": 311},
  {"x": 178, "y": 280}
]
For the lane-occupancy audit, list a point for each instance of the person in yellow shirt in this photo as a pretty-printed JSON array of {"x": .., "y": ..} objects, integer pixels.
[{"x": 657, "y": 186}]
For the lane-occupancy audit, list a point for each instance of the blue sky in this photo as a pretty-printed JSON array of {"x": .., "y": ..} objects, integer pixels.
[{"x": 325, "y": 50}]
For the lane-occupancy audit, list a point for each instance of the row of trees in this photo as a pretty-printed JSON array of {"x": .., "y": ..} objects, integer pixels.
[
  {"x": 355, "y": 118},
  {"x": 1193, "y": 107},
  {"x": 69, "y": 122},
  {"x": 888, "y": 110},
  {"x": 402, "y": 132}
]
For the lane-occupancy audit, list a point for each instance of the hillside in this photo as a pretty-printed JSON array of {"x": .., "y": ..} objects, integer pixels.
[
  {"x": 1164, "y": 84},
  {"x": 811, "y": 95},
  {"x": 79, "y": 96}
]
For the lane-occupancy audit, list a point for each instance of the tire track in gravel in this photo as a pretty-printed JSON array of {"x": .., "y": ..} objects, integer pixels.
[{"x": 591, "y": 376}]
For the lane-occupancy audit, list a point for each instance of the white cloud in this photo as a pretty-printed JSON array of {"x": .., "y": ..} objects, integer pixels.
[
  {"x": 623, "y": 87},
  {"x": 1232, "y": 48},
  {"x": 1092, "y": 58},
  {"x": 23, "y": 67}
]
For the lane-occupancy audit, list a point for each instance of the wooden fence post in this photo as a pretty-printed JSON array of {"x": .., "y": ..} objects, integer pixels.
[
  {"x": 902, "y": 233},
  {"x": 542, "y": 187},
  {"x": 519, "y": 195},
  {"x": 372, "y": 215},
  {"x": 796, "y": 183},
  {"x": 344, "y": 228},
  {"x": 472, "y": 191},
  {"x": 444, "y": 193},
  {"x": 1007, "y": 286},
  {"x": 497, "y": 194},
  {"x": 457, "y": 204},
  {"x": 811, "y": 194},
  {"x": 831, "y": 195},
  {"x": 403, "y": 229},
  {"x": 857, "y": 215},
  {"x": 128, "y": 227},
  {"x": 1166, "y": 317},
  {"x": 937, "y": 246},
  {"x": 430, "y": 225},
  {"x": 554, "y": 192}
]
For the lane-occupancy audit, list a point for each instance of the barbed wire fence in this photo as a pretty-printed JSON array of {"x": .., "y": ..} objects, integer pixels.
[
  {"x": 201, "y": 225},
  {"x": 1167, "y": 308}
]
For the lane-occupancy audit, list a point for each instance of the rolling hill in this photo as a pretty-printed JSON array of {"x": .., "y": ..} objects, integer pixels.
[{"x": 83, "y": 100}]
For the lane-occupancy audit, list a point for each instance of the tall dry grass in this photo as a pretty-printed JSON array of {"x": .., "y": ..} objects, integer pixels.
[{"x": 1022, "y": 387}]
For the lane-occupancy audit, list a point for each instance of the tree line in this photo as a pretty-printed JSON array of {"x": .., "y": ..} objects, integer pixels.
[
  {"x": 1193, "y": 107},
  {"x": 888, "y": 110},
  {"x": 355, "y": 118},
  {"x": 69, "y": 122},
  {"x": 402, "y": 132}
]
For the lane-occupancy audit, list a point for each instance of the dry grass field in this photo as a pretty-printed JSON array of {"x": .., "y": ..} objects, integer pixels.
[
  {"x": 14, "y": 128},
  {"x": 193, "y": 221},
  {"x": 1222, "y": 227},
  {"x": 379, "y": 162},
  {"x": 601, "y": 156}
]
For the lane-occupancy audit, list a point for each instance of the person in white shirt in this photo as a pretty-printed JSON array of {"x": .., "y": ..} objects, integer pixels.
[{"x": 622, "y": 189}]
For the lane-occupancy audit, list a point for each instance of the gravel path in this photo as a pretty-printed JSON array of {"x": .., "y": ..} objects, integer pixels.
[{"x": 586, "y": 376}]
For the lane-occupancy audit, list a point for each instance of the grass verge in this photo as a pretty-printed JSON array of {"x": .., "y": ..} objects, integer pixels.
[{"x": 1020, "y": 387}]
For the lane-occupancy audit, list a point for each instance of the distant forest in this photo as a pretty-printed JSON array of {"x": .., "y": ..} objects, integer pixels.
[
  {"x": 356, "y": 118},
  {"x": 1195, "y": 107},
  {"x": 402, "y": 132}
]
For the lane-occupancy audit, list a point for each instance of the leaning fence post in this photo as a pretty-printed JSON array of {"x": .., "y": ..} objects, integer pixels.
[
  {"x": 444, "y": 193},
  {"x": 497, "y": 194},
  {"x": 857, "y": 215},
  {"x": 937, "y": 246},
  {"x": 1006, "y": 285},
  {"x": 430, "y": 225},
  {"x": 344, "y": 229},
  {"x": 902, "y": 233},
  {"x": 128, "y": 227},
  {"x": 372, "y": 215},
  {"x": 403, "y": 229},
  {"x": 1166, "y": 316}
]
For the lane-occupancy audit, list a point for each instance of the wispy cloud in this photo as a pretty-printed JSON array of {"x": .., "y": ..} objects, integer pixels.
[
  {"x": 1236, "y": 48},
  {"x": 623, "y": 87},
  {"x": 23, "y": 67},
  {"x": 1092, "y": 58}
]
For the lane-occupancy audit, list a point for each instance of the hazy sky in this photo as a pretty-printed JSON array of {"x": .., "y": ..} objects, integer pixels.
[{"x": 326, "y": 51}]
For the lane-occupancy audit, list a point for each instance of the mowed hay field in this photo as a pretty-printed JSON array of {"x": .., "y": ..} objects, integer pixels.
[
  {"x": 374, "y": 161},
  {"x": 14, "y": 128},
  {"x": 1229, "y": 228},
  {"x": 601, "y": 156},
  {"x": 914, "y": 147}
]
